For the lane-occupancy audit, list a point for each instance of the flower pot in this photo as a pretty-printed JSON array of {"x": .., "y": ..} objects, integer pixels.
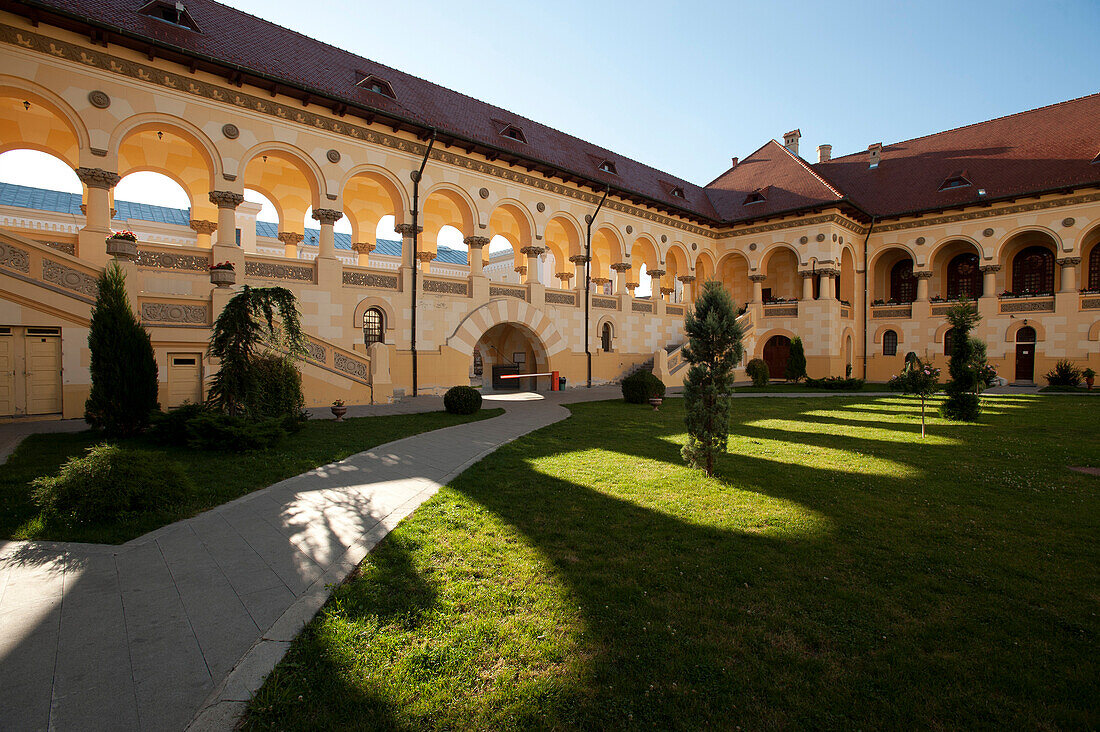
[
  {"x": 655, "y": 402},
  {"x": 121, "y": 248},
  {"x": 222, "y": 277},
  {"x": 1089, "y": 381},
  {"x": 339, "y": 413}
]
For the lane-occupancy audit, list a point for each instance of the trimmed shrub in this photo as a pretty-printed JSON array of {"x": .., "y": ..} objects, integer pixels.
[
  {"x": 640, "y": 386},
  {"x": 835, "y": 383},
  {"x": 1064, "y": 373},
  {"x": 962, "y": 402},
  {"x": 212, "y": 430},
  {"x": 122, "y": 365},
  {"x": 170, "y": 428},
  {"x": 796, "y": 361},
  {"x": 462, "y": 400},
  {"x": 757, "y": 370},
  {"x": 278, "y": 392},
  {"x": 110, "y": 483}
]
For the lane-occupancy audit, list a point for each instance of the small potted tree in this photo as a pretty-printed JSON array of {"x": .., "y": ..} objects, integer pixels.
[
  {"x": 919, "y": 380},
  {"x": 1090, "y": 376},
  {"x": 122, "y": 244},
  {"x": 222, "y": 274},
  {"x": 339, "y": 410}
]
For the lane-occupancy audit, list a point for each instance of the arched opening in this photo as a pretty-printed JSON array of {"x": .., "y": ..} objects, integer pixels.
[
  {"x": 948, "y": 341},
  {"x": 374, "y": 326},
  {"x": 1033, "y": 271},
  {"x": 890, "y": 343},
  {"x": 847, "y": 283},
  {"x": 36, "y": 169},
  {"x": 151, "y": 189},
  {"x": 903, "y": 285},
  {"x": 511, "y": 225},
  {"x": 733, "y": 273},
  {"x": 1025, "y": 354},
  {"x": 892, "y": 277},
  {"x": 783, "y": 283},
  {"x": 849, "y": 349},
  {"x": 1092, "y": 283},
  {"x": 292, "y": 184},
  {"x": 29, "y": 121},
  {"x": 507, "y": 350},
  {"x": 776, "y": 352},
  {"x": 605, "y": 338},
  {"x": 368, "y": 197},
  {"x": 964, "y": 278}
]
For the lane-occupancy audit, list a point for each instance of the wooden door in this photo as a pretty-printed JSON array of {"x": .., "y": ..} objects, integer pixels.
[
  {"x": 1025, "y": 362},
  {"x": 7, "y": 374},
  {"x": 776, "y": 352},
  {"x": 184, "y": 379},
  {"x": 43, "y": 373}
]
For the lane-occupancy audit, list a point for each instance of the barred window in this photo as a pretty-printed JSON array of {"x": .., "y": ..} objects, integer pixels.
[
  {"x": 889, "y": 343},
  {"x": 372, "y": 326}
]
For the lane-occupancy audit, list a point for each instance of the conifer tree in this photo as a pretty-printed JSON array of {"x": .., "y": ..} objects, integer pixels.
[
  {"x": 796, "y": 361},
  {"x": 123, "y": 367},
  {"x": 962, "y": 400},
  {"x": 713, "y": 350}
]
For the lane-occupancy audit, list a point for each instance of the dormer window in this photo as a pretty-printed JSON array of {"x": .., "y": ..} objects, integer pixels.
[
  {"x": 370, "y": 82},
  {"x": 955, "y": 180},
  {"x": 608, "y": 167},
  {"x": 174, "y": 13},
  {"x": 677, "y": 193},
  {"x": 756, "y": 196},
  {"x": 1096, "y": 159},
  {"x": 513, "y": 133}
]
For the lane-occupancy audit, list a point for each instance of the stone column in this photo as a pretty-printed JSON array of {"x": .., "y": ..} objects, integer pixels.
[
  {"x": 578, "y": 261},
  {"x": 204, "y": 229},
  {"x": 227, "y": 202},
  {"x": 408, "y": 264},
  {"x": 620, "y": 269},
  {"x": 666, "y": 293},
  {"x": 91, "y": 241},
  {"x": 477, "y": 258},
  {"x": 326, "y": 248},
  {"x": 758, "y": 287},
  {"x": 689, "y": 287},
  {"x": 363, "y": 249},
  {"x": 600, "y": 282},
  {"x": 655, "y": 289},
  {"x": 521, "y": 270},
  {"x": 631, "y": 286},
  {"x": 290, "y": 241},
  {"x": 564, "y": 278},
  {"x": 922, "y": 285},
  {"x": 989, "y": 279},
  {"x": 425, "y": 259},
  {"x": 533, "y": 253},
  {"x": 1069, "y": 273},
  {"x": 807, "y": 276}
]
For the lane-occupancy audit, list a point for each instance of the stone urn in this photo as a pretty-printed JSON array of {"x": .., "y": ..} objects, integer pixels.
[
  {"x": 122, "y": 247},
  {"x": 656, "y": 402},
  {"x": 338, "y": 411},
  {"x": 222, "y": 277}
]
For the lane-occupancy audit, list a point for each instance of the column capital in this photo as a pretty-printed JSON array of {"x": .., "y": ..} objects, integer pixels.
[
  {"x": 327, "y": 215},
  {"x": 98, "y": 177},
  {"x": 686, "y": 279},
  {"x": 226, "y": 199},
  {"x": 757, "y": 277},
  {"x": 922, "y": 275},
  {"x": 578, "y": 259},
  {"x": 657, "y": 273},
  {"x": 290, "y": 238},
  {"x": 522, "y": 269},
  {"x": 834, "y": 272},
  {"x": 667, "y": 290},
  {"x": 1069, "y": 261},
  {"x": 621, "y": 266},
  {"x": 202, "y": 226},
  {"x": 990, "y": 268},
  {"x": 633, "y": 285},
  {"x": 564, "y": 276},
  {"x": 425, "y": 256},
  {"x": 364, "y": 247},
  {"x": 807, "y": 273},
  {"x": 406, "y": 230},
  {"x": 532, "y": 251},
  {"x": 601, "y": 281},
  {"x": 476, "y": 242}
]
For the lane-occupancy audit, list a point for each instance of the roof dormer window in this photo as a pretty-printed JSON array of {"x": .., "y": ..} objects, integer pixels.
[
  {"x": 955, "y": 180},
  {"x": 756, "y": 196},
  {"x": 370, "y": 82},
  {"x": 513, "y": 133},
  {"x": 174, "y": 13},
  {"x": 608, "y": 167},
  {"x": 1096, "y": 159},
  {"x": 677, "y": 193}
]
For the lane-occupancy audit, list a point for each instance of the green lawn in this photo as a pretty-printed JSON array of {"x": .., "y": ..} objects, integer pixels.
[
  {"x": 218, "y": 477},
  {"x": 780, "y": 387},
  {"x": 840, "y": 573}
]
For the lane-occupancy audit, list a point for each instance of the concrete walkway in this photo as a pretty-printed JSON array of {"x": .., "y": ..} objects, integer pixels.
[{"x": 180, "y": 626}]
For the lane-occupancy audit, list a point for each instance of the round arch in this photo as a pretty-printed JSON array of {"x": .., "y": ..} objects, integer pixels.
[
  {"x": 522, "y": 216},
  {"x": 505, "y": 310},
  {"x": 393, "y": 183},
  {"x": 1016, "y": 325},
  {"x": 644, "y": 250},
  {"x": 891, "y": 249},
  {"x": 382, "y": 304},
  {"x": 293, "y": 156},
  {"x": 1021, "y": 233},
  {"x": 765, "y": 256},
  {"x": 23, "y": 90},
  {"x": 882, "y": 331},
  {"x": 762, "y": 339},
  {"x": 562, "y": 234},
  {"x": 158, "y": 122},
  {"x": 1094, "y": 331}
]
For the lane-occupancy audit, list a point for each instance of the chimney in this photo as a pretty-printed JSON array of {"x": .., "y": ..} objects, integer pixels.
[
  {"x": 790, "y": 140},
  {"x": 824, "y": 153},
  {"x": 733, "y": 162},
  {"x": 875, "y": 152}
]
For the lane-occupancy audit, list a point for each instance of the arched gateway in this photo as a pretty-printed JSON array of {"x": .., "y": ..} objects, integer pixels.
[{"x": 499, "y": 332}]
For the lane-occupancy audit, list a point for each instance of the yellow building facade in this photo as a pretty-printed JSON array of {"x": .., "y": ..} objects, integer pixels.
[{"x": 860, "y": 288}]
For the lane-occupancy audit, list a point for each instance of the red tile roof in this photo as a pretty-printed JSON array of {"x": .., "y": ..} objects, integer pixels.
[{"x": 1043, "y": 149}]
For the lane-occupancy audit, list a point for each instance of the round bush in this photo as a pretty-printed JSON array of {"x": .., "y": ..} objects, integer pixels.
[
  {"x": 640, "y": 386},
  {"x": 111, "y": 482},
  {"x": 757, "y": 370},
  {"x": 462, "y": 400}
]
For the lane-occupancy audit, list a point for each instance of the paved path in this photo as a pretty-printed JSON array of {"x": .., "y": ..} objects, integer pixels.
[{"x": 181, "y": 625}]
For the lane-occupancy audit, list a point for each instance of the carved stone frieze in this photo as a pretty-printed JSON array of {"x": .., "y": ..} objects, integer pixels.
[
  {"x": 273, "y": 271},
  {"x": 605, "y": 303},
  {"x": 673, "y": 310},
  {"x": 15, "y": 258},
  {"x": 504, "y": 291},
  {"x": 1028, "y": 306},
  {"x": 62, "y": 246},
  {"x": 68, "y": 278},
  {"x": 1090, "y": 303},
  {"x": 315, "y": 351},
  {"x": 351, "y": 366},
  {"x": 642, "y": 307},
  {"x": 444, "y": 287},
  {"x": 170, "y": 312},
  {"x": 781, "y": 311},
  {"x": 171, "y": 260},
  {"x": 560, "y": 298},
  {"x": 891, "y": 312},
  {"x": 370, "y": 279}
]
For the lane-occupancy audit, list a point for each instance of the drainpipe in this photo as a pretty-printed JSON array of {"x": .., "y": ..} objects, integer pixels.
[
  {"x": 416, "y": 239},
  {"x": 588, "y": 283},
  {"x": 866, "y": 294}
]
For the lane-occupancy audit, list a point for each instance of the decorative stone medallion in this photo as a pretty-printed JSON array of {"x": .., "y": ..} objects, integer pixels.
[
  {"x": 920, "y": 240},
  {"x": 1068, "y": 222},
  {"x": 484, "y": 193},
  {"x": 540, "y": 206},
  {"x": 99, "y": 99},
  {"x": 987, "y": 233},
  {"x": 231, "y": 131},
  {"x": 629, "y": 229},
  {"x": 834, "y": 237},
  {"x": 664, "y": 238},
  {"x": 821, "y": 237},
  {"x": 694, "y": 246},
  {"x": 804, "y": 240},
  {"x": 752, "y": 247},
  {"x": 333, "y": 156}
]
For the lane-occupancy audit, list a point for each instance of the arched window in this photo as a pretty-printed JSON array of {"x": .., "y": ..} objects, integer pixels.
[
  {"x": 890, "y": 343},
  {"x": 373, "y": 326},
  {"x": 948, "y": 342},
  {"x": 1025, "y": 335},
  {"x": 1094, "y": 269},
  {"x": 1033, "y": 272},
  {"x": 964, "y": 279},
  {"x": 903, "y": 285},
  {"x": 605, "y": 337}
]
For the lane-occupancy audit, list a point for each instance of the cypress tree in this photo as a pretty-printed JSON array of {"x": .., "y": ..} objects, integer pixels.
[
  {"x": 962, "y": 400},
  {"x": 796, "y": 361},
  {"x": 713, "y": 350},
  {"x": 123, "y": 366}
]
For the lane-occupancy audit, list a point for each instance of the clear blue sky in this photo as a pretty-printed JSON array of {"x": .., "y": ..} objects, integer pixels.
[{"x": 683, "y": 86}]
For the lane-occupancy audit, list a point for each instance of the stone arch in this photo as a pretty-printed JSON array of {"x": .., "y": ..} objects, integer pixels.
[
  {"x": 562, "y": 234},
  {"x": 21, "y": 89},
  {"x": 463, "y": 204},
  {"x": 389, "y": 325},
  {"x": 506, "y": 310},
  {"x": 1021, "y": 232},
  {"x": 886, "y": 249},
  {"x": 881, "y": 270},
  {"x": 1015, "y": 326},
  {"x": 763, "y": 338},
  {"x": 156, "y": 121},
  {"x": 615, "y": 331},
  {"x": 941, "y": 330},
  {"x": 607, "y": 249},
  {"x": 199, "y": 201},
  {"x": 1094, "y": 331},
  {"x": 882, "y": 331},
  {"x": 294, "y": 156},
  {"x": 704, "y": 266},
  {"x": 764, "y": 258},
  {"x": 937, "y": 249},
  {"x": 644, "y": 250},
  {"x": 368, "y": 194}
]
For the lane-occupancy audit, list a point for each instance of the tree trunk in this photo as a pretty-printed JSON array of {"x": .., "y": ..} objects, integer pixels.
[{"x": 922, "y": 418}]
